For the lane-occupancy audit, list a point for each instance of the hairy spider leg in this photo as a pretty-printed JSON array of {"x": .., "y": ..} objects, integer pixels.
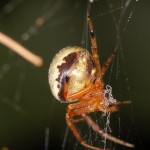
[
  {"x": 83, "y": 107},
  {"x": 92, "y": 106},
  {"x": 94, "y": 49},
  {"x": 77, "y": 135},
  {"x": 97, "y": 129},
  {"x": 110, "y": 109},
  {"x": 107, "y": 63},
  {"x": 93, "y": 42}
]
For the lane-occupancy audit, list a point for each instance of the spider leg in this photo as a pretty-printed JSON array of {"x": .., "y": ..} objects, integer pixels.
[
  {"x": 94, "y": 50},
  {"x": 85, "y": 107},
  {"x": 77, "y": 135},
  {"x": 87, "y": 104},
  {"x": 78, "y": 120},
  {"x": 107, "y": 63},
  {"x": 80, "y": 109},
  {"x": 77, "y": 109},
  {"x": 97, "y": 129},
  {"x": 122, "y": 102},
  {"x": 93, "y": 42},
  {"x": 79, "y": 93},
  {"x": 82, "y": 94},
  {"x": 111, "y": 109}
]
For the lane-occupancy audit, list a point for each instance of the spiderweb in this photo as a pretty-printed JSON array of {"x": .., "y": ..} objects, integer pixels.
[{"x": 30, "y": 117}]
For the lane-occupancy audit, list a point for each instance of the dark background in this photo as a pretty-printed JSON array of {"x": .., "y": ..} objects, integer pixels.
[{"x": 27, "y": 107}]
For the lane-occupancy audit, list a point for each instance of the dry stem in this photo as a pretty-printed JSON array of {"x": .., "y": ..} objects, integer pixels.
[{"x": 20, "y": 50}]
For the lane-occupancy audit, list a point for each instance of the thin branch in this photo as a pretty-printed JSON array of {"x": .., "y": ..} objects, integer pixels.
[
  {"x": 20, "y": 50},
  {"x": 97, "y": 129}
]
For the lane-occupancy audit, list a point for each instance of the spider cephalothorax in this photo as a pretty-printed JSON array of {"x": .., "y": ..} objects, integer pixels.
[{"x": 76, "y": 77}]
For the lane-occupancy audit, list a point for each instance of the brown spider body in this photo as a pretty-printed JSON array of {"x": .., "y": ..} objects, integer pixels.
[{"x": 76, "y": 77}]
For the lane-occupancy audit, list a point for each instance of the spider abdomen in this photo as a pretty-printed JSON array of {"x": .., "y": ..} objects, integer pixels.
[{"x": 73, "y": 65}]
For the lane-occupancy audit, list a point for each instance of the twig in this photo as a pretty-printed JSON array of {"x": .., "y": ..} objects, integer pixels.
[{"x": 20, "y": 50}]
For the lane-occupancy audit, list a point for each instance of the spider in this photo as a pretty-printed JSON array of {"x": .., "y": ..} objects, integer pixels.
[{"x": 76, "y": 77}]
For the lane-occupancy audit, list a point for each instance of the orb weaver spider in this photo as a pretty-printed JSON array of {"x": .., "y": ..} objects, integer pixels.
[{"x": 76, "y": 77}]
